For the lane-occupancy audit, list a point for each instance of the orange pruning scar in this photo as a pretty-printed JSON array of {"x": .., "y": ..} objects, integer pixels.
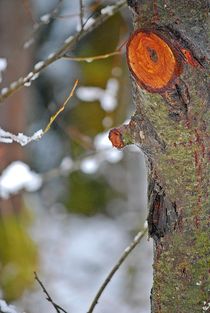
[{"x": 152, "y": 60}]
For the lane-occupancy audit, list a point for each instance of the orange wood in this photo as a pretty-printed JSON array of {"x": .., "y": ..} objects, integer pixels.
[
  {"x": 115, "y": 137},
  {"x": 152, "y": 60},
  {"x": 189, "y": 58}
]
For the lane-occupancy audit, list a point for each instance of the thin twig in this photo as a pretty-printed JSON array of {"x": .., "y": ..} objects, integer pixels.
[
  {"x": 81, "y": 13},
  {"x": 37, "y": 25},
  {"x": 22, "y": 139},
  {"x": 93, "y": 58},
  {"x": 57, "y": 307},
  {"x": 61, "y": 108},
  {"x": 125, "y": 254},
  {"x": 68, "y": 44}
]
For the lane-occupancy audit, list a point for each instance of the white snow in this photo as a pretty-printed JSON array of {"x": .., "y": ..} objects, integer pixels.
[
  {"x": 89, "y": 93},
  {"x": 27, "y": 84},
  {"x": 28, "y": 43},
  {"x": 18, "y": 176},
  {"x": 89, "y": 165},
  {"x": 4, "y": 91},
  {"x": 107, "y": 97},
  {"x": 68, "y": 39},
  {"x": 145, "y": 224},
  {"x": 108, "y": 102},
  {"x": 51, "y": 55},
  {"x": 114, "y": 155},
  {"x": 66, "y": 165},
  {"x": 38, "y": 65},
  {"x": 20, "y": 138},
  {"x": 108, "y": 10},
  {"x": 45, "y": 18},
  {"x": 29, "y": 76},
  {"x": 13, "y": 85},
  {"x": 6, "y": 308},
  {"x": 90, "y": 21},
  {"x": 206, "y": 306},
  {"x": 35, "y": 76},
  {"x": 3, "y": 66},
  {"x": 102, "y": 142},
  {"x": 76, "y": 254}
]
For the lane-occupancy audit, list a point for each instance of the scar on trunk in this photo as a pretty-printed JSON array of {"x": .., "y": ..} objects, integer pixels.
[
  {"x": 160, "y": 208},
  {"x": 157, "y": 62}
]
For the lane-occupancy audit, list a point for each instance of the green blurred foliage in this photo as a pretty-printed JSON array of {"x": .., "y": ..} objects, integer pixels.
[
  {"x": 18, "y": 255},
  {"x": 88, "y": 194},
  {"x": 88, "y": 117}
]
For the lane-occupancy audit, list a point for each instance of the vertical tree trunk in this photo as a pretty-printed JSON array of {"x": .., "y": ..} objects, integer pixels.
[
  {"x": 14, "y": 27},
  {"x": 167, "y": 57}
]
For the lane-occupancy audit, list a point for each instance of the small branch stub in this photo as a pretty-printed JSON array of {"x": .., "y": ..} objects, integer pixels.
[
  {"x": 120, "y": 137},
  {"x": 115, "y": 136},
  {"x": 152, "y": 60}
]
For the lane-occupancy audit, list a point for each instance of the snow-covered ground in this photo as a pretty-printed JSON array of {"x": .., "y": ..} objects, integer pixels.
[{"x": 76, "y": 253}]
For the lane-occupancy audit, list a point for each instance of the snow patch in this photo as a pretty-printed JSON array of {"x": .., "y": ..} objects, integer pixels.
[
  {"x": 66, "y": 165},
  {"x": 45, "y": 18},
  {"x": 6, "y": 308},
  {"x": 108, "y": 10},
  {"x": 18, "y": 176},
  {"x": 38, "y": 65},
  {"x": 20, "y": 138},
  {"x": 89, "y": 165},
  {"x": 4, "y": 91},
  {"x": 107, "y": 97},
  {"x": 69, "y": 39},
  {"x": 3, "y": 66}
]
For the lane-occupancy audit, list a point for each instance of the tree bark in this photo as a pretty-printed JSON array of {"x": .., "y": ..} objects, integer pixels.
[{"x": 172, "y": 127}]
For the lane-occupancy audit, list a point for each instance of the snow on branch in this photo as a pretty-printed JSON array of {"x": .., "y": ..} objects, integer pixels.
[
  {"x": 23, "y": 140},
  {"x": 6, "y": 308},
  {"x": 68, "y": 44},
  {"x": 44, "y": 19},
  {"x": 3, "y": 66},
  {"x": 7, "y": 137},
  {"x": 18, "y": 176}
]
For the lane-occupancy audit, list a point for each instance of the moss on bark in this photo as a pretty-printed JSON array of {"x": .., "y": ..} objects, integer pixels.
[{"x": 182, "y": 167}]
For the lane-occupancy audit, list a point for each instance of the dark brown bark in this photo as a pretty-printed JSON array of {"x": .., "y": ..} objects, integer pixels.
[{"x": 172, "y": 127}]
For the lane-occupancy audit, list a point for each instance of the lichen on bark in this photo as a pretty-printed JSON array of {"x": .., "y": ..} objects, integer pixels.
[{"x": 173, "y": 130}]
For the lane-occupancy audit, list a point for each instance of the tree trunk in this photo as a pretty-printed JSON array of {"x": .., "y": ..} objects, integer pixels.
[
  {"x": 167, "y": 57},
  {"x": 14, "y": 25}
]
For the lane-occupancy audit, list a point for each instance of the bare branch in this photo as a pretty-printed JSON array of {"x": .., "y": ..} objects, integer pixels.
[
  {"x": 68, "y": 44},
  {"x": 121, "y": 260},
  {"x": 81, "y": 13},
  {"x": 7, "y": 137},
  {"x": 62, "y": 107},
  {"x": 93, "y": 58},
  {"x": 57, "y": 307},
  {"x": 44, "y": 19}
]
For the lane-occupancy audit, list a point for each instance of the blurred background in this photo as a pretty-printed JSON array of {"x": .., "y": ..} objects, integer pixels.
[{"x": 70, "y": 203}]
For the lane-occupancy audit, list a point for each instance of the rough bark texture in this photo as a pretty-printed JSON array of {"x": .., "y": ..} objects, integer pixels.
[{"x": 173, "y": 129}]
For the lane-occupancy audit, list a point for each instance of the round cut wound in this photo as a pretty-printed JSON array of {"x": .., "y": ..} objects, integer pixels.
[{"x": 152, "y": 61}]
